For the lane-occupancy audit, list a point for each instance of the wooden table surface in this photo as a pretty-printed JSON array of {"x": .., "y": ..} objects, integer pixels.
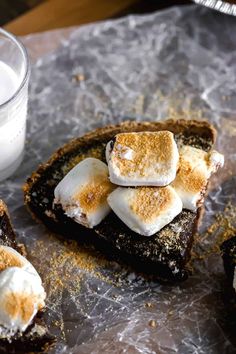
[{"x": 51, "y": 14}]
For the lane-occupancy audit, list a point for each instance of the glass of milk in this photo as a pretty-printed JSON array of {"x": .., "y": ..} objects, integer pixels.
[{"x": 14, "y": 78}]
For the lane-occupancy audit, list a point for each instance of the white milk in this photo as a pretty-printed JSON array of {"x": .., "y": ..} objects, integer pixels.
[
  {"x": 12, "y": 121},
  {"x": 9, "y": 82}
]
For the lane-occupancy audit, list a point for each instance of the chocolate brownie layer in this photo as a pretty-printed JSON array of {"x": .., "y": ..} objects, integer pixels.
[{"x": 228, "y": 249}]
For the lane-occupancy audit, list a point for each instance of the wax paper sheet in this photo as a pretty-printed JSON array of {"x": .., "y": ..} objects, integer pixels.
[{"x": 175, "y": 63}]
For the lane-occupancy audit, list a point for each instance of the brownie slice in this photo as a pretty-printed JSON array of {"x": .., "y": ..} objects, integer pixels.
[
  {"x": 166, "y": 253},
  {"x": 228, "y": 249},
  {"x": 36, "y": 338},
  {"x": 7, "y": 235}
]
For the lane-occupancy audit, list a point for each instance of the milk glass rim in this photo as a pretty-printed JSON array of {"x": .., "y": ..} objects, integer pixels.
[{"x": 25, "y": 56}]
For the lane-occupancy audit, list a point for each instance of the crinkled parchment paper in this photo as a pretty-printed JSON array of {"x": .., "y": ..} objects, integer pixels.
[{"x": 176, "y": 63}]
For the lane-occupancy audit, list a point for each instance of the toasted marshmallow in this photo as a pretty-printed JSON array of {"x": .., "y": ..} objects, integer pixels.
[
  {"x": 145, "y": 210},
  {"x": 21, "y": 296},
  {"x": 83, "y": 192},
  {"x": 142, "y": 159},
  {"x": 11, "y": 258},
  {"x": 21, "y": 292},
  {"x": 195, "y": 168}
]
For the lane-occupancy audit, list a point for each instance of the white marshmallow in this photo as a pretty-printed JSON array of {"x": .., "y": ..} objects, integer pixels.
[
  {"x": 21, "y": 292},
  {"x": 216, "y": 160},
  {"x": 145, "y": 210},
  {"x": 83, "y": 192},
  {"x": 195, "y": 168},
  {"x": 142, "y": 159}
]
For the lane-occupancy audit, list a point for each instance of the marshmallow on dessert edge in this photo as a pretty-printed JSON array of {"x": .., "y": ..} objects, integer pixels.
[
  {"x": 21, "y": 292},
  {"x": 195, "y": 168},
  {"x": 145, "y": 210},
  {"x": 83, "y": 192},
  {"x": 9, "y": 257},
  {"x": 142, "y": 159}
]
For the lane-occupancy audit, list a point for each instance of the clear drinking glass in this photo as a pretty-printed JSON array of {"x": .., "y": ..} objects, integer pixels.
[{"x": 14, "y": 79}]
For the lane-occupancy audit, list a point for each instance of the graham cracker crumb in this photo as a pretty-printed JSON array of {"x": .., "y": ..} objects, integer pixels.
[
  {"x": 63, "y": 267},
  {"x": 152, "y": 323},
  {"x": 149, "y": 305},
  {"x": 221, "y": 229},
  {"x": 78, "y": 77},
  {"x": 67, "y": 263}
]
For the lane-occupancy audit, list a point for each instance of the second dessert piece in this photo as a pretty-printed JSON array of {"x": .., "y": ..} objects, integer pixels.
[{"x": 21, "y": 297}]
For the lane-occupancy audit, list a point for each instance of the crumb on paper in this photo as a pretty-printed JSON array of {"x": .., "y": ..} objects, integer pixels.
[
  {"x": 149, "y": 305},
  {"x": 222, "y": 228},
  {"x": 78, "y": 77},
  {"x": 172, "y": 106},
  {"x": 63, "y": 266},
  {"x": 152, "y": 323},
  {"x": 225, "y": 98},
  {"x": 68, "y": 262}
]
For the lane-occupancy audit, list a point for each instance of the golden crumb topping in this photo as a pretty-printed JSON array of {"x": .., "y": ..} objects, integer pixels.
[
  {"x": 146, "y": 150},
  {"x": 95, "y": 193},
  {"x": 150, "y": 202},
  {"x": 9, "y": 259}
]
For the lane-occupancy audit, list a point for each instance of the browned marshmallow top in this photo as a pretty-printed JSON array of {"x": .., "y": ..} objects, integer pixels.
[
  {"x": 94, "y": 194},
  {"x": 145, "y": 158},
  {"x": 193, "y": 172},
  {"x": 83, "y": 192},
  {"x": 150, "y": 202},
  {"x": 195, "y": 169},
  {"x": 9, "y": 259},
  {"x": 145, "y": 210}
]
